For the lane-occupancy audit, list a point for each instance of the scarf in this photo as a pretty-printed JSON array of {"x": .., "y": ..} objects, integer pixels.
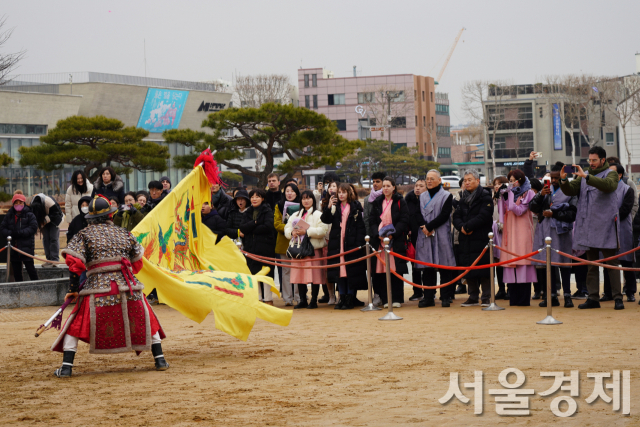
[
  {"x": 346, "y": 210},
  {"x": 468, "y": 197},
  {"x": 385, "y": 219},
  {"x": 215, "y": 197},
  {"x": 374, "y": 195},
  {"x": 520, "y": 190}
]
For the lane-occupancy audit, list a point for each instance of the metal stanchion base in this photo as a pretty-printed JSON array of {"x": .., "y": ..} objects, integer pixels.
[
  {"x": 549, "y": 320},
  {"x": 493, "y": 307},
  {"x": 371, "y": 307},
  {"x": 390, "y": 316}
]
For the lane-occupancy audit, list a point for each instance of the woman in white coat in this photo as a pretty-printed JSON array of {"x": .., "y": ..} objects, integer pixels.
[
  {"x": 316, "y": 233},
  {"x": 80, "y": 187}
]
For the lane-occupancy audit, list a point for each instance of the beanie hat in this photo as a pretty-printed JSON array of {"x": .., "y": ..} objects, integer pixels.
[{"x": 17, "y": 195}]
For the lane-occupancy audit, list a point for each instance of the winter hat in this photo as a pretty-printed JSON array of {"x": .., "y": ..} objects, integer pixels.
[
  {"x": 18, "y": 195},
  {"x": 166, "y": 178}
]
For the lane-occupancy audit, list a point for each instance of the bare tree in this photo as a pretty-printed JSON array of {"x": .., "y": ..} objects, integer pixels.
[
  {"x": 8, "y": 61},
  {"x": 625, "y": 106},
  {"x": 484, "y": 102},
  {"x": 388, "y": 107},
  {"x": 253, "y": 91}
]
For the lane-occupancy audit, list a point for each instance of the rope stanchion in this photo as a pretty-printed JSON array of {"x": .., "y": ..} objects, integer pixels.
[
  {"x": 308, "y": 267},
  {"x": 390, "y": 315},
  {"x": 478, "y": 267},
  {"x": 549, "y": 320},
  {"x": 315, "y": 259},
  {"x": 597, "y": 264},
  {"x": 570, "y": 264},
  {"x": 492, "y": 306},
  {"x": 37, "y": 258},
  {"x": 370, "y": 306},
  {"x": 8, "y": 258},
  {"x": 437, "y": 286}
]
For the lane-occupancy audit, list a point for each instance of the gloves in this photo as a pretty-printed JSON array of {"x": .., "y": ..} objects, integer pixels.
[
  {"x": 74, "y": 282},
  {"x": 120, "y": 211},
  {"x": 133, "y": 210}
]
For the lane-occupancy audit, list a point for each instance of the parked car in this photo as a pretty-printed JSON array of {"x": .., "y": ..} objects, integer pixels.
[{"x": 452, "y": 180}]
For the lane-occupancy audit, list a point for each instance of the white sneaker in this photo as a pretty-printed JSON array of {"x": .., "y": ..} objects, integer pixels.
[
  {"x": 376, "y": 300},
  {"x": 386, "y": 306},
  {"x": 332, "y": 301},
  {"x": 396, "y": 305}
]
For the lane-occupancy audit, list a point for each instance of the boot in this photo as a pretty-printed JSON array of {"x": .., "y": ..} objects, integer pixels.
[
  {"x": 326, "y": 296},
  {"x": 461, "y": 289},
  {"x": 567, "y": 301},
  {"x": 315, "y": 289},
  {"x": 590, "y": 303},
  {"x": 302, "y": 290},
  {"x": 554, "y": 302},
  {"x": 161, "y": 364},
  {"x": 67, "y": 365},
  {"x": 332, "y": 293},
  {"x": 341, "y": 299},
  {"x": 348, "y": 302}
]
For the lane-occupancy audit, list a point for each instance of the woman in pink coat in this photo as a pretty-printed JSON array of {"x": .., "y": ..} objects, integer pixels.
[{"x": 517, "y": 237}]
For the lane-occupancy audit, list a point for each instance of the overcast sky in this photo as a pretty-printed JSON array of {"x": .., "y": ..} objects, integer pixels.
[{"x": 203, "y": 40}]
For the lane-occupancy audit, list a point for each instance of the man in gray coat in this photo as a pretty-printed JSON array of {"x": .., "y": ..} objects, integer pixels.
[{"x": 597, "y": 223}]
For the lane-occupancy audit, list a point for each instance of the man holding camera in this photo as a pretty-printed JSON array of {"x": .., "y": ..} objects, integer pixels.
[{"x": 597, "y": 225}]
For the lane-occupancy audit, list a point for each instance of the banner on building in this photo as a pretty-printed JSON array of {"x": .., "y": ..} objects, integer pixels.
[
  {"x": 557, "y": 128},
  {"x": 162, "y": 109}
]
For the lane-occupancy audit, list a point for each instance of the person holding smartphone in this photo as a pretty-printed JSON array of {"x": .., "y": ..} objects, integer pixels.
[{"x": 556, "y": 215}]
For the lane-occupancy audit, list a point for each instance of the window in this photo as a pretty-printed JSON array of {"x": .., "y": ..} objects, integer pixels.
[
  {"x": 365, "y": 97},
  {"x": 444, "y": 152},
  {"x": 277, "y": 156},
  {"x": 443, "y": 130},
  {"x": 249, "y": 153},
  {"x": 315, "y": 101},
  {"x": 397, "y": 96},
  {"x": 609, "y": 136},
  {"x": 16, "y": 129},
  {"x": 399, "y": 122},
  {"x": 422, "y": 96},
  {"x": 336, "y": 99},
  {"x": 431, "y": 96},
  {"x": 342, "y": 124},
  {"x": 306, "y": 102},
  {"x": 416, "y": 122},
  {"x": 442, "y": 109},
  {"x": 424, "y": 121},
  {"x": 512, "y": 146},
  {"x": 306, "y": 80},
  {"x": 314, "y": 80}
]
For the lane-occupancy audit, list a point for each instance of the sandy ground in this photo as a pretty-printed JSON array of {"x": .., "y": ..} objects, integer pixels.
[{"x": 328, "y": 367}]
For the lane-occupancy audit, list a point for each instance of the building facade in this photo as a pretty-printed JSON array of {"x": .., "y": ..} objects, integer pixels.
[
  {"x": 467, "y": 151},
  {"x": 32, "y": 105}
]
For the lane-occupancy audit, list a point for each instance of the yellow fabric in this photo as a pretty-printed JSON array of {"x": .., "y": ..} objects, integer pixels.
[{"x": 194, "y": 275}]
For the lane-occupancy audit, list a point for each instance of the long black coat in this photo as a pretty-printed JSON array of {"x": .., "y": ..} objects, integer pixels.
[
  {"x": 477, "y": 218},
  {"x": 234, "y": 219},
  {"x": 22, "y": 229},
  {"x": 216, "y": 224},
  {"x": 353, "y": 238},
  {"x": 400, "y": 221},
  {"x": 259, "y": 236},
  {"x": 413, "y": 203}
]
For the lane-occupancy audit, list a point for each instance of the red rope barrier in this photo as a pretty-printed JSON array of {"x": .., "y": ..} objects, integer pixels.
[
  {"x": 4, "y": 248},
  {"x": 613, "y": 267},
  {"x": 570, "y": 264},
  {"x": 478, "y": 267},
  {"x": 437, "y": 286},
  {"x": 35, "y": 257},
  {"x": 302, "y": 260},
  {"x": 310, "y": 267}
]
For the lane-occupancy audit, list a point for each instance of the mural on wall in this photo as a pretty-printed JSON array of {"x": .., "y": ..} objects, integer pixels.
[{"x": 162, "y": 109}]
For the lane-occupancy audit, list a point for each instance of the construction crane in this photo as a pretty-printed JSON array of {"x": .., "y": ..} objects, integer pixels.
[{"x": 446, "y": 62}]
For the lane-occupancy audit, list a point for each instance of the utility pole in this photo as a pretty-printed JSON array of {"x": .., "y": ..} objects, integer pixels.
[{"x": 389, "y": 118}]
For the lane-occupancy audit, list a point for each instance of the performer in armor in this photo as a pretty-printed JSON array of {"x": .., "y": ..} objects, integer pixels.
[{"x": 112, "y": 313}]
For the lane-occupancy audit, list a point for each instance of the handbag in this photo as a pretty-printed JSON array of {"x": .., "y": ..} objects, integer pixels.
[
  {"x": 300, "y": 248},
  {"x": 411, "y": 250}
]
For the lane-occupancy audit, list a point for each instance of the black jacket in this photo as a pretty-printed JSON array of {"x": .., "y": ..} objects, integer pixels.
[
  {"x": 114, "y": 189},
  {"x": 79, "y": 222},
  {"x": 224, "y": 205},
  {"x": 400, "y": 221},
  {"x": 234, "y": 219},
  {"x": 152, "y": 203},
  {"x": 215, "y": 223},
  {"x": 413, "y": 204},
  {"x": 354, "y": 237},
  {"x": 22, "y": 229},
  {"x": 541, "y": 203},
  {"x": 477, "y": 218},
  {"x": 259, "y": 236}
]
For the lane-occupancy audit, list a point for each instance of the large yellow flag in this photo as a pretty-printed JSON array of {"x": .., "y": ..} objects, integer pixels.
[{"x": 194, "y": 275}]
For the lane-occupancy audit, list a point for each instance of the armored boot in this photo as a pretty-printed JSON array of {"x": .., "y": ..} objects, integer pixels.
[
  {"x": 67, "y": 365},
  {"x": 161, "y": 364}
]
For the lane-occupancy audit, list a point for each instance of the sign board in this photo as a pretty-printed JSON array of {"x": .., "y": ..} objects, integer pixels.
[
  {"x": 557, "y": 129},
  {"x": 378, "y": 129},
  {"x": 360, "y": 110},
  {"x": 162, "y": 109},
  {"x": 211, "y": 106}
]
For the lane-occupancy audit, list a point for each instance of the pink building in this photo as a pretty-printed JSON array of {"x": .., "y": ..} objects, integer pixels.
[{"x": 357, "y": 103}]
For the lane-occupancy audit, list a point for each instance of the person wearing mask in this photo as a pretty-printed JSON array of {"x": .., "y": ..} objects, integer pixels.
[
  {"x": 166, "y": 184},
  {"x": 257, "y": 233},
  {"x": 332, "y": 274},
  {"x": 316, "y": 233},
  {"x": 79, "y": 222},
  {"x": 390, "y": 209},
  {"x": 347, "y": 232},
  {"x": 109, "y": 185},
  {"x": 220, "y": 200},
  {"x": 213, "y": 221},
  {"x": 625, "y": 207},
  {"x": 498, "y": 183},
  {"x": 378, "y": 282},
  {"x": 292, "y": 195},
  {"x": 413, "y": 203},
  {"x": 239, "y": 205},
  {"x": 274, "y": 195},
  {"x": 596, "y": 228},
  {"x": 128, "y": 215},
  {"x": 49, "y": 216},
  {"x": 155, "y": 197},
  {"x": 556, "y": 213},
  {"x": 473, "y": 218},
  {"x": 434, "y": 243},
  {"x": 79, "y": 187},
  {"x": 517, "y": 237},
  {"x": 141, "y": 198},
  {"x": 21, "y": 224}
]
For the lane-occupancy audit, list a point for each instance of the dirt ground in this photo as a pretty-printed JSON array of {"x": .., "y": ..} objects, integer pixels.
[{"x": 328, "y": 367}]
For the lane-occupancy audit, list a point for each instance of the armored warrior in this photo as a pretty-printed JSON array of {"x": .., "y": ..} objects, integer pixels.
[{"x": 112, "y": 314}]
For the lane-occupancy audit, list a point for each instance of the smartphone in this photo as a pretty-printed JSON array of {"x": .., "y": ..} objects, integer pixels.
[
  {"x": 333, "y": 194},
  {"x": 538, "y": 154},
  {"x": 569, "y": 169},
  {"x": 547, "y": 184}
]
